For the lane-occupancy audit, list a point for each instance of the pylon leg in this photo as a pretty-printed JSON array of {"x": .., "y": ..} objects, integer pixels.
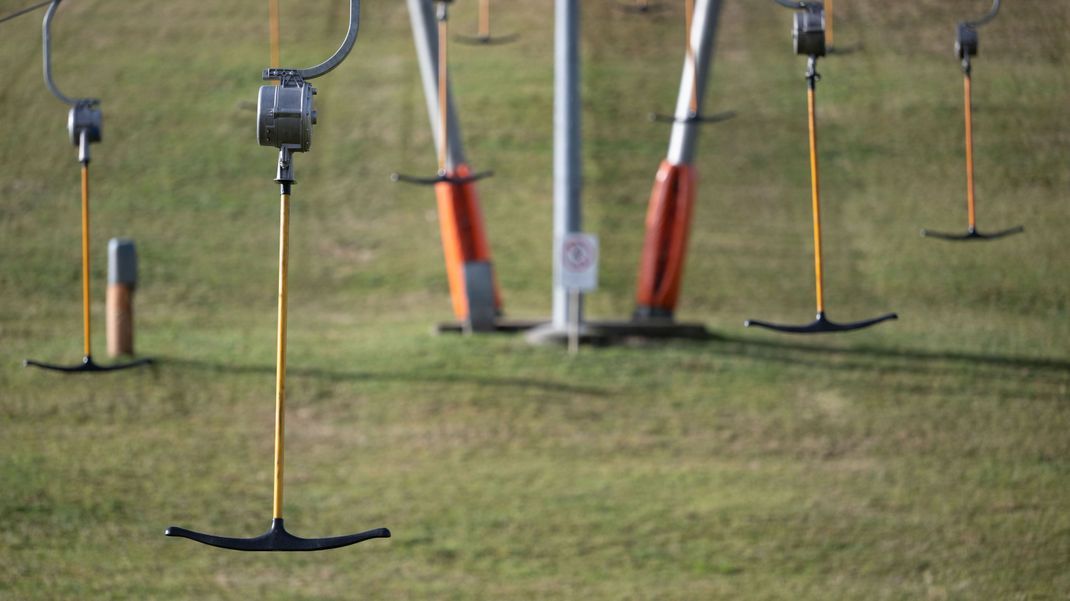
[
  {"x": 464, "y": 238},
  {"x": 668, "y": 225}
]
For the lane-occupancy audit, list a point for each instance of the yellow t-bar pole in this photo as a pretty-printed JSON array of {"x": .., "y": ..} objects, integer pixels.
[
  {"x": 280, "y": 356},
  {"x": 273, "y": 23},
  {"x": 828, "y": 22},
  {"x": 815, "y": 190},
  {"x": 484, "y": 19},
  {"x": 970, "y": 198},
  {"x": 85, "y": 258}
]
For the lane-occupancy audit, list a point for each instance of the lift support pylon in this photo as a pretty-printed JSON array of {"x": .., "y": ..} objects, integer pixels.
[{"x": 568, "y": 199}]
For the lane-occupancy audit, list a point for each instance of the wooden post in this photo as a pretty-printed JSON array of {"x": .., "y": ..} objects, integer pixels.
[{"x": 122, "y": 279}]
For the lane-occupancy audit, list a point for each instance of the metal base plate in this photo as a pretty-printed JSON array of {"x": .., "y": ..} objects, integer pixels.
[
  {"x": 502, "y": 326},
  {"x": 616, "y": 332}
]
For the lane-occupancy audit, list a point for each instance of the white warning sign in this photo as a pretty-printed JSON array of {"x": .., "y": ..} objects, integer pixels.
[{"x": 577, "y": 262}]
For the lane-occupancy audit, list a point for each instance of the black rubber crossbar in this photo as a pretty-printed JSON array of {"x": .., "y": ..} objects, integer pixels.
[
  {"x": 439, "y": 178},
  {"x": 693, "y": 118},
  {"x": 820, "y": 325},
  {"x": 87, "y": 365},
  {"x": 278, "y": 539},
  {"x": 973, "y": 234}
]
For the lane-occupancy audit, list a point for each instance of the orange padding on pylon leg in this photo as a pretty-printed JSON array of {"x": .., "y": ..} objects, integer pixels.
[
  {"x": 668, "y": 223},
  {"x": 464, "y": 238}
]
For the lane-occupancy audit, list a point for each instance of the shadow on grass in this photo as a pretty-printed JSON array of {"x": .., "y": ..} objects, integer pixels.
[
  {"x": 357, "y": 376},
  {"x": 867, "y": 357}
]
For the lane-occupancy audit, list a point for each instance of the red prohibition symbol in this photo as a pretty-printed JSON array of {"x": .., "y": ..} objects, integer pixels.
[{"x": 578, "y": 255}]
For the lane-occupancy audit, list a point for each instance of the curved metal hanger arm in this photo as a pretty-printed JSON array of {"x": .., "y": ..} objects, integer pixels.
[
  {"x": 991, "y": 14},
  {"x": 46, "y": 35},
  {"x": 339, "y": 55}
]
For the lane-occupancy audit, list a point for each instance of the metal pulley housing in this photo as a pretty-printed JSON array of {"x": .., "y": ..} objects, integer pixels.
[
  {"x": 808, "y": 33},
  {"x": 285, "y": 115},
  {"x": 966, "y": 40},
  {"x": 84, "y": 117}
]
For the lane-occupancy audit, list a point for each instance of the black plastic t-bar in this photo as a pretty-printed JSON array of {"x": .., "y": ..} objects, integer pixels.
[
  {"x": 641, "y": 7},
  {"x": 278, "y": 539},
  {"x": 440, "y": 177},
  {"x": 693, "y": 118},
  {"x": 820, "y": 325},
  {"x": 87, "y": 365}
]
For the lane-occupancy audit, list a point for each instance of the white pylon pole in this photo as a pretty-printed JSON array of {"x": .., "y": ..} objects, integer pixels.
[
  {"x": 693, "y": 80},
  {"x": 568, "y": 178},
  {"x": 425, "y": 37}
]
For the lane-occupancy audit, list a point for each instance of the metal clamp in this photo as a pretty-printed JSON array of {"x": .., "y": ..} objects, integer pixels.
[{"x": 442, "y": 10}]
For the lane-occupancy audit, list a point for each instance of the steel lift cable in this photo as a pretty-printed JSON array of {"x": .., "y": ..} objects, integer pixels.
[
  {"x": 84, "y": 127},
  {"x": 809, "y": 40},
  {"x": 966, "y": 43},
  {"x": 693, "y": 115},
  {"x": 446, "y": 173},
  {"x": 483, "y": 36},
  {"x": 23, "y": 11},
  {"x": 285, "y": 117}
]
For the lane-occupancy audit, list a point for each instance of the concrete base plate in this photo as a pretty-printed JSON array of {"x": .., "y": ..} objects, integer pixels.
[
  {"x": 620, "y": 332},
  {"x": 501, "y": 326}
]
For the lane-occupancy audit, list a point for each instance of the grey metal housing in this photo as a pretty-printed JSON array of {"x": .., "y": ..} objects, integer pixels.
[
  {"x": 808, "y": 34},
  {"x": 285, "y": 115},
  {"x": 84, "y": 118},
  {"x": 966, "y": 40}
]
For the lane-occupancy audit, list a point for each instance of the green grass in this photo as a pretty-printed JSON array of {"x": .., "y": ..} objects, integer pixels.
[{"x": 923, "y": 459}]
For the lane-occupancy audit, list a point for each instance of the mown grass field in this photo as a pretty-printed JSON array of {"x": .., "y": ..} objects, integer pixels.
[{"x": 928, "y": 458}]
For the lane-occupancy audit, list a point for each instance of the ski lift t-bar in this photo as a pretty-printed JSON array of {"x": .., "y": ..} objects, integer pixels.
[
  {"x": 84, "y": 119},
  {"x": 809, "y": 40},
  {"x": 285, "y": 118},
  {"x": 285, "y": 115}
]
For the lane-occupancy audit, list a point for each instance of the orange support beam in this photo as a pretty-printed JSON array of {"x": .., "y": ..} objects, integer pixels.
[
  {"x": 464, "y": 238},
  {"x": 668, "y": 223}
]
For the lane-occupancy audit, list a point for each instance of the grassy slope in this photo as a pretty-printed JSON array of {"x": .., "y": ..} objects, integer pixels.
[{"x": 925, "y": 458}]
